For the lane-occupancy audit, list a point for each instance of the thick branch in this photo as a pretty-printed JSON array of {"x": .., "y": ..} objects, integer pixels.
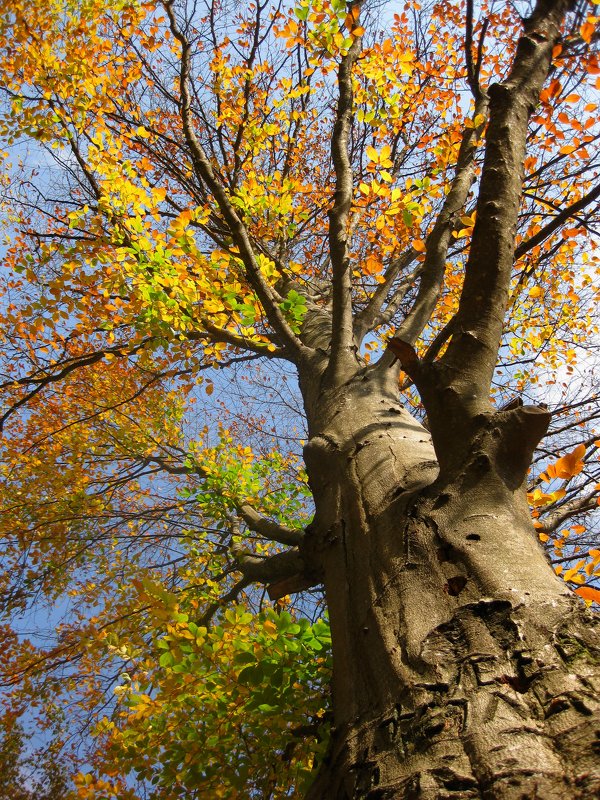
[
  {"x": 472, "y": 353},
  {"x": 342, "y": 341},
  {"x": 271, "y": 569},
  {"x": 267, "y": 528},
  {"x": 439, "y": 239}
]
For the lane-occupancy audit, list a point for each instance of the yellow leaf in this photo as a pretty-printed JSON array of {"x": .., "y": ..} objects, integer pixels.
[
  {"x": 269, "y": 626},
  {"x": 571, "y": 574},
  {"x": 536, "y": 291},
  {"x": 372, "y": 154}
]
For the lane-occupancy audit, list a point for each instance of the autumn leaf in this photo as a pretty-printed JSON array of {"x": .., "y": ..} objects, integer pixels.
[
  {"x": 567, "y": 466},
  {"x": 588, "y": 593}
]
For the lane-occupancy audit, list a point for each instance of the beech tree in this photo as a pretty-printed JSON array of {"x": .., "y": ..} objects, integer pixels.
[{"x": 299, "y": 460}]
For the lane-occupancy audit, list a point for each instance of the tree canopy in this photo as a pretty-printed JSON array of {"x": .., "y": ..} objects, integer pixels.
[{"x": 203, "y": 202}]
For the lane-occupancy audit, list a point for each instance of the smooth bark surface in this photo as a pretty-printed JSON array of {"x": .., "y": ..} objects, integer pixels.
[{"x": 462, "y": 666}]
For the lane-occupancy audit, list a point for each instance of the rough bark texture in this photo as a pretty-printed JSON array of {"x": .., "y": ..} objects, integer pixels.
[{"x": 462, "y": 666}]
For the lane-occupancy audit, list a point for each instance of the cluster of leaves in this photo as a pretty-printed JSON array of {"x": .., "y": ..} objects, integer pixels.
[
  {"x": 567, "y": 493},
  {"x": 216, "y": 695}
]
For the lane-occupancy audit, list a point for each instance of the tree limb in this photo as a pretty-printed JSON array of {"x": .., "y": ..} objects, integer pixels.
[
  {"x": 370, "y": 316},
  {"x": 270, "y": 569},
  {"x": 556, "y": 222},
  {"x": 342, "y": 341},
  {"x": 206, "y": 174},
  {"x": 554, "y": 519},
  {"x": 439, "y": 239},
  {"x": 472, "y": 352},
  {"x": 267, "y": 528}
]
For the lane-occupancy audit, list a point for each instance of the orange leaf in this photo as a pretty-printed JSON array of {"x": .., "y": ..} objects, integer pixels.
[
  {"x": 587, "y": 593},
  {"x": 569, "y": 465},
  {"x": 372, "y": 265}
]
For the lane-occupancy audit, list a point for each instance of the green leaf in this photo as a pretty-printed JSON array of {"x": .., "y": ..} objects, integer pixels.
[{"x": 166, "y": 660}]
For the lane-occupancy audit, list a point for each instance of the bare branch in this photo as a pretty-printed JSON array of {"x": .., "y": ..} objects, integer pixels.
[
  {"x": 370, "y": 317},
  {"x": 558, "y": 517},
  {"x": 471, "y": 80},
  {"x": 267, "y": 528},
  {"x": 473, "y": 70},
  {"x": 556, "y": 222}
]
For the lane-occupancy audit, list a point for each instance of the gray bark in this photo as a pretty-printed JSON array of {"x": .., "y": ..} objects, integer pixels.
[{"x": 463, "y": 668}]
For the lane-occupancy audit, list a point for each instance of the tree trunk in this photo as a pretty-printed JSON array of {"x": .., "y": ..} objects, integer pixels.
[{"x": 462, "y": 666}]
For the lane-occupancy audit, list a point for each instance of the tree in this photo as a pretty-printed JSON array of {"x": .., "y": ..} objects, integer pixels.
[
  {"x": 397, "y": 209},
  {"x": 18, "y": 767}
]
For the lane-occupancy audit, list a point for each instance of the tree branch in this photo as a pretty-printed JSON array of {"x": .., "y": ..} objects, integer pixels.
[
  {"x": 228, "y": 597},
  {"x": 206, "y": 174},
  {"x": 472, "y": 352},
  {"x": 370, "y": 317},
  {"x": 223, "y": 335},
  {"x": 270, "y": 569},
  {"x": 554, "y": 519},
  {"x": 66, "y": 368},
  {"x": 556, "y": 222},
  {"x": 267, "y": 528},
  {"x": 343, "y": 357},
  {"x": 439, "y": 239}
]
